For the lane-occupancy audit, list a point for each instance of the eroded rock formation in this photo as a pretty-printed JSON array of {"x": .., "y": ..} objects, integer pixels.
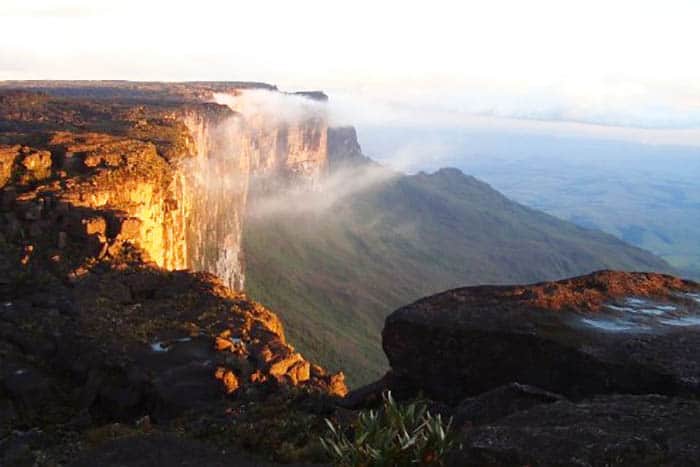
[{"x": 104, "y": 205}]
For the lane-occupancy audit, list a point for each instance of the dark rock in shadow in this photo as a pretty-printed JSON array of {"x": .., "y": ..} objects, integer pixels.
[
  {"x": 501, "y": 402},
  {"x": 164, "y": 450},
  {"x": 608, "y": 332},
  {"x": 605, "y": 431}
]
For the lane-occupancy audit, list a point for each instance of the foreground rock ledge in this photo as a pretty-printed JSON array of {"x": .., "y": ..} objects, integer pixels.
[
  {"x": 608, "y": 430},
  {"x": 608, "y": 332}
]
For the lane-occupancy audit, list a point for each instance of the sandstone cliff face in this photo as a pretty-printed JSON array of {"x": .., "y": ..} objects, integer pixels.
[
  {"x": 102, "y": 204},
  {"x": 213, "y": 187},
  {"x": 92, "y": 209},
  {"x": 185, "y": 206},
  {"x": 295, "y": 151},
  {"x": 128, "y": 179},
  {"x": 231, "y": 157}
]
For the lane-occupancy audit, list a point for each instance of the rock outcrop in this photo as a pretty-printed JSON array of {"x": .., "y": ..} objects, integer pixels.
[
  {"x": 621, "y": 430},
  {"x": 610, "y": 332},
  {"x": 501, "y": 402},
  {"x": 344, "y": 150},
  {"x": 138, "y": 341},
  {"x": 596, "y": 370}
]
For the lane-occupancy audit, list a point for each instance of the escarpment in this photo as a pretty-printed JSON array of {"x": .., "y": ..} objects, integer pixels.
[
  {"x": 232, "y": 157},
  {"x": 104, "y": 221},
  {"x": 199, "y": 163},
  {"x": 166, "y": 183}
]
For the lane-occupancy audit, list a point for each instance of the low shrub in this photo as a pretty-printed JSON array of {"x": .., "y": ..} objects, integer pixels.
[{"x": 395, "y": 435}]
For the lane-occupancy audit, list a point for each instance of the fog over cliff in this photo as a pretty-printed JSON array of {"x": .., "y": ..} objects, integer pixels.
[
  {"x": 270, "y": 157},
  {"x": 314, "y": 185}
]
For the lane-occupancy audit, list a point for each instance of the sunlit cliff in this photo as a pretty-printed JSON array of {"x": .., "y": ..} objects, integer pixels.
[
  {"x": 116, "y": 216},
  {"x": 232, "y": 155},
  {"x": 189, "y": 213}
]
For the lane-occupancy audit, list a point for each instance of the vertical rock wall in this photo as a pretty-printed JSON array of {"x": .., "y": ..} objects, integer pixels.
[
  {"x": 233, "y": 156},
  {"x": 213, "y": 187}
]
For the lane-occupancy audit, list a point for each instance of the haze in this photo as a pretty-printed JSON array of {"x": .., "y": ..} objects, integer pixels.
[{"x": 621, "y": 64}]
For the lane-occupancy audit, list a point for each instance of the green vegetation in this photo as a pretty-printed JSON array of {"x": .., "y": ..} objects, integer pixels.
[
  {"x": 333, "y": 275},
  {"x": 652, "y": 203},
  {"x": 394, "y": 436}
]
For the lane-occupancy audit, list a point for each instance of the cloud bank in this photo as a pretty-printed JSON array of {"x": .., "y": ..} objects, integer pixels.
[{"x": 624, "y": 63}]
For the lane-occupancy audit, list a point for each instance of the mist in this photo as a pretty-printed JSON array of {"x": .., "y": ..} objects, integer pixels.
[
  {"x": 275, "y": 107},
  {"x": 261, "y": 111},
  {"x": 333, "y": 188}
]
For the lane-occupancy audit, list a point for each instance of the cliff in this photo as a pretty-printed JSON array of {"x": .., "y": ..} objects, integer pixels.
[
  {"x": 344, "y": 149},
  {"x": 104, "y": 205},
  {"x": 189, "y": 192},
  {"x": 231, "y": 157}
]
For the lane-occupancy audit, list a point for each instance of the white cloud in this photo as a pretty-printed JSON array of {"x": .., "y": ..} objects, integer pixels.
[
  {"x": 628, "y": 63},
  {"x": 275, "y": 107}
]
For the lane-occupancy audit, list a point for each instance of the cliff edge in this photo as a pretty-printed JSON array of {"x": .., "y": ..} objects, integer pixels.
[{"x": 104, "y": 333}]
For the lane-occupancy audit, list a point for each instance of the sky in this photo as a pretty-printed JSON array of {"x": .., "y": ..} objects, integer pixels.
[{"x": 622, "y": 68}]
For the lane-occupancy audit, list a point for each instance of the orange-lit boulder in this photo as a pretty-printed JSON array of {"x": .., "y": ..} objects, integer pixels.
[{"x": 228, "y": 379}]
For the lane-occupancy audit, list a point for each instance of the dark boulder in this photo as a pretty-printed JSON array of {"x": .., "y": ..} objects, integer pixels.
[
  {"x": 607, "y": 430},
  {"x": 608, "y": 332},
  {"x": 501, "y": 402},
  {"x": 8, "y": 415}
]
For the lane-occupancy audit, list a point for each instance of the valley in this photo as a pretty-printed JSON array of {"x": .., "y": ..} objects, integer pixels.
[{"x": 645, "y": 194}]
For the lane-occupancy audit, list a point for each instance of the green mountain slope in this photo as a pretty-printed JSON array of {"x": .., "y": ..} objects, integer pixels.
[
  {"x": 335, "y": 272},
  {"x": 655, "y": 208},
  {"x": 645, "y": 194}
]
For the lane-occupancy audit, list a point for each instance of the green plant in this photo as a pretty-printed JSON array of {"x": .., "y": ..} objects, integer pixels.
[{"x": 395, "y": 435}]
